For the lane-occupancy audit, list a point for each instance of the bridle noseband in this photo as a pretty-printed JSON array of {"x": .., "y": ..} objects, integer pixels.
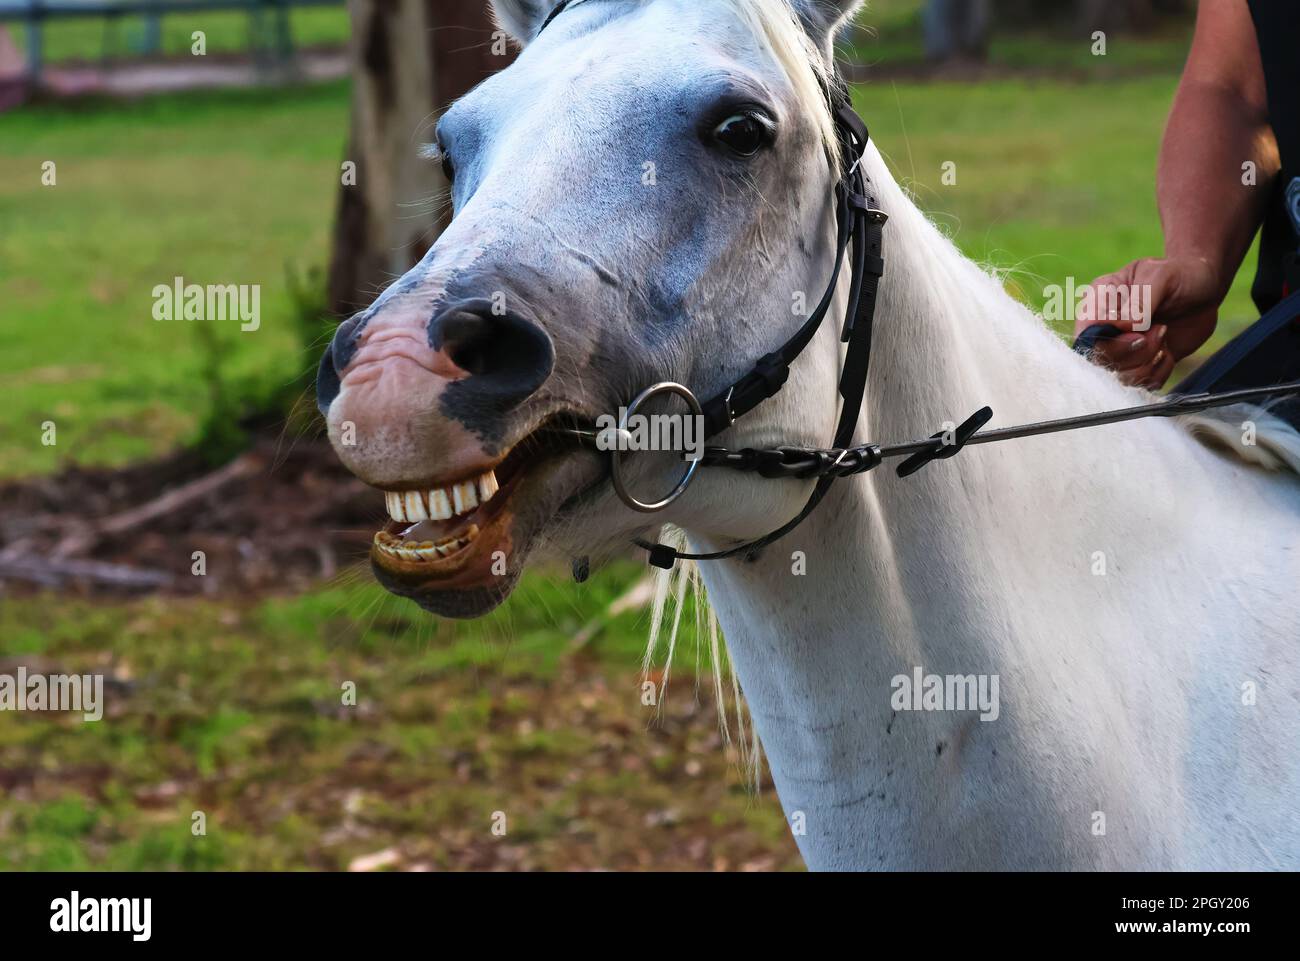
[{"x": 859, "y": 241}]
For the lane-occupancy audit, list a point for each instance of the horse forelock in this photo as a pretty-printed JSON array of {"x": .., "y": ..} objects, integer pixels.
[{"x": 775, "y": 24}]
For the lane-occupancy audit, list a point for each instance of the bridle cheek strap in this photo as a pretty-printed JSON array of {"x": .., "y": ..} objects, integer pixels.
[{"x": 860, "y": 236}]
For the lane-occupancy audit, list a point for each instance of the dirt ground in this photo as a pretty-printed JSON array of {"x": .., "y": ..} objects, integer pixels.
[
  {"x": 224, "y": 696},
  {"x": 284, "y": 516}
]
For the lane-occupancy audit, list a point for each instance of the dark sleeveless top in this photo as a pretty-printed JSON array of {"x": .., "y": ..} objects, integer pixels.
[{"x": 1277, "y": 24}]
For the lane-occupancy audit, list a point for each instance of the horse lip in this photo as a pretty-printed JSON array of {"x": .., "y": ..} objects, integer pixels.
[{"x": 507, "y": 461}]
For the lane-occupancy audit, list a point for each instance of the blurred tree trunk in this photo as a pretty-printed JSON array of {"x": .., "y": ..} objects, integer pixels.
[
  {"x": 410, "y": 59},
  {"x": 1130, "y": 14},
  {"x": 1038, "y": 13},
  {"x": 1116, "y": 14},
  {"x": 956, "y": 29},
  {"x": 1090, "y": 15}
]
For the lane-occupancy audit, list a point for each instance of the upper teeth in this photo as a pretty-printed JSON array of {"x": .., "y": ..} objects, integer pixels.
[{"x": 441, "y": 503}]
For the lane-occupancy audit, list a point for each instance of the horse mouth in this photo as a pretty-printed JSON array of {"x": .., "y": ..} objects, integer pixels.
[
  {"x": 460, "y": 536},
  {"x": 436, "y": 526}
]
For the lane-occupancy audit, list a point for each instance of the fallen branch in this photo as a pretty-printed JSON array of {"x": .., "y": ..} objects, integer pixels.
[
  {"x": 52, "y": 572},
  {"x": 82, "y": 541}
]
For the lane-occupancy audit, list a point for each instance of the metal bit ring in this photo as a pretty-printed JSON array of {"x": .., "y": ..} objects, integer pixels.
[{"x": 616, "y": 455}]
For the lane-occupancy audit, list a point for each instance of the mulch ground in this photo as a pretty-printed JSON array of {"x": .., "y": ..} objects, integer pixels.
[{"x": 284, "y": 515}]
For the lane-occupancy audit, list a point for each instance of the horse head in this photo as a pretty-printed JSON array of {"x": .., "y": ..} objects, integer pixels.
[{"x": 644, "y": 195}]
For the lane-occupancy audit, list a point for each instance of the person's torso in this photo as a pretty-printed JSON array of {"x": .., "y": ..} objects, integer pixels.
[{"x": 1277, "y": 26}]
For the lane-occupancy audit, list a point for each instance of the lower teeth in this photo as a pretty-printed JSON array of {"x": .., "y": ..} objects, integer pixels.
[{"x": 424, "y": 550}]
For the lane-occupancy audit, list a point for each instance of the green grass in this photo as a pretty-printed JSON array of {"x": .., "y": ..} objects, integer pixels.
[
  {"x": 99, "y": 39},
  {"x": 224, "y": 188},
  {"x": 1052, "y": 181},
  {"x": 237, "y": 712},
  {"x": 894, "y": 39}
]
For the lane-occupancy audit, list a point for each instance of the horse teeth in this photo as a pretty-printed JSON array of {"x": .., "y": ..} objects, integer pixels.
[
  {"x": 464, "y": 497},
  {"x": 415, "y": 509},
  {"x": 439, "y": 505},
  {"x": 395, "y": 507},
  {"x": 426, "y": 550}
]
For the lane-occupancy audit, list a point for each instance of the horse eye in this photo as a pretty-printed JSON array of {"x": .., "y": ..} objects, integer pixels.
[
  {"x": 441, "y": 155},
  {"x": 743, "y": 134}
]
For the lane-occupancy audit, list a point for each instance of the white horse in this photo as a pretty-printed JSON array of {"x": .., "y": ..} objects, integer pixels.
[{"x": 1131, "y": 591}]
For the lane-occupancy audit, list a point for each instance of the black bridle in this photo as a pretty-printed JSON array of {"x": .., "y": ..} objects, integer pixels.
[
  {"x": 859, "y": 243},
  {"x": 860, "y": 239}
]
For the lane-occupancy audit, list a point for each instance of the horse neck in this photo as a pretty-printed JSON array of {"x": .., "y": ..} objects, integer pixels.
[{"x": 935, "y": 571}]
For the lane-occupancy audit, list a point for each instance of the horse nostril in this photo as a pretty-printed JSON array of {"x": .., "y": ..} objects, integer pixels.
[
  {"x": 337, "y": 355},
  {"x": 467, "y": 339},
  {"x": 327, "y": 383},
  {"x": 507, "y": 356}
]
